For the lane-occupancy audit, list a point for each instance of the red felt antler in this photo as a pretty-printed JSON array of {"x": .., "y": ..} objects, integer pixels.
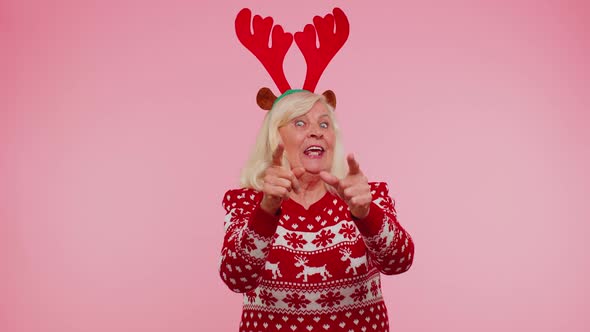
[
  {"x": 271, "y": 57},
  {"x": 330, "y": 42}
]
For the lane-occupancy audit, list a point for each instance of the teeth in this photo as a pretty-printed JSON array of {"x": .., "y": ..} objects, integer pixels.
[{"x": 314, "y": 149}]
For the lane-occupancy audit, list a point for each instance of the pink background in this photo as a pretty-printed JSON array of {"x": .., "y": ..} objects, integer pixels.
[{"x": 122, "y": 124}]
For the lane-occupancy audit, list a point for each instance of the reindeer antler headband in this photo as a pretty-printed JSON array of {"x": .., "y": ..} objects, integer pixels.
[{"x": 317, "y": 58}]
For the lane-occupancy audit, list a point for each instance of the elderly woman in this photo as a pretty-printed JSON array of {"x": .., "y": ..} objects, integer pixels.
[{"x": 307, "y": 236}]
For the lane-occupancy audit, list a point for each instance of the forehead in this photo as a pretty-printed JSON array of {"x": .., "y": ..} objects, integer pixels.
[{"x": 318, "y": 110}]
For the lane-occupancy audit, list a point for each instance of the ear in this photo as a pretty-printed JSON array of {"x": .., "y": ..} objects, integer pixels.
[
  {"x": 265, "y": 98},
  {"x": 330, "y": 98}
]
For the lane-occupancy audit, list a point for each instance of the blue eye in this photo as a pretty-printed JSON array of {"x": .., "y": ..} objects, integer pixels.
[
  {"x": 299, "y": 123},
  {"x": 324, "y": 125}
]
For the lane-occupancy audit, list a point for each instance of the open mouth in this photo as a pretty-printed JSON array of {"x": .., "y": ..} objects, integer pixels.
[{"x": 314, "y": 151}]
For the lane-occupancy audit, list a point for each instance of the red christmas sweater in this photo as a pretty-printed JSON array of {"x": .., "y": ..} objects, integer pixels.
[{"x": 315, "y": 269}]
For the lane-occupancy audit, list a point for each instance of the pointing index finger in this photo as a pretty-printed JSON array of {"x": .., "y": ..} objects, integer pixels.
[
  {"x": 353, "y": 165},
  {"x": 277, "y": 156}
]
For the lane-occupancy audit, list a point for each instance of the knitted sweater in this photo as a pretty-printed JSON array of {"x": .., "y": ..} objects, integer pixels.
[{"x": 315, "y": 269}]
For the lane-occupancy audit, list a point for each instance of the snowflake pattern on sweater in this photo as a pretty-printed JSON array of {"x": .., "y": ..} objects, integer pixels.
[{"x": 315, "y": 269}]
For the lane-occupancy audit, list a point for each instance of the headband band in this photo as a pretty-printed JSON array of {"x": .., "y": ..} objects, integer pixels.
[{"x": 286, "y": 93}]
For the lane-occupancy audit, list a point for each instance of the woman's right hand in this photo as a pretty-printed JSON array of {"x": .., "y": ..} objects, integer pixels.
[{"x": 278, "y": 182}]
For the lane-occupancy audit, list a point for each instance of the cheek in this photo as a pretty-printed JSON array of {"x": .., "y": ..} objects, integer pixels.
[
  {"x": 293, "y": 139},
  {"x": 331, "y": 139},
  {"x": 291, "y": 142},
  {"x": 286, "y": 137}
]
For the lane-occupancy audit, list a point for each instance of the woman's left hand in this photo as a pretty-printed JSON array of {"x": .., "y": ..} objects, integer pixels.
[{"x": 354, "y": 188}]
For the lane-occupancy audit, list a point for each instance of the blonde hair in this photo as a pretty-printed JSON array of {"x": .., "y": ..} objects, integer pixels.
[{"x": 268, "y": 139}]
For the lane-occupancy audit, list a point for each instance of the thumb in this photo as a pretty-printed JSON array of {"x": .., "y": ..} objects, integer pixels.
[
  {"x": 298, "y": 171},
  {"x": 330, "y": 179}
]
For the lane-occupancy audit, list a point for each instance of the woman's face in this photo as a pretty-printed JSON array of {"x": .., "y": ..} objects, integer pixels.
[{"x": 309, "y": 140}]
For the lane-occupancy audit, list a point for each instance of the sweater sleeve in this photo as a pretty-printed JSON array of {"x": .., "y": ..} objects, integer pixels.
[
  {"x": 389, "y": 245},
  {"x": 249, "y": 231}
]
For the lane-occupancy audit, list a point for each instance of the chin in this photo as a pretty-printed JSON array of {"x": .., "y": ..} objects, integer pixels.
[
  {"x": 316, "y": 169},
  {"x": 315, "y": 166}
]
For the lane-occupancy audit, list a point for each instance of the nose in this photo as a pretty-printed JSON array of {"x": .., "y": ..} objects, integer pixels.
[{"x": 315, "y": 131}]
